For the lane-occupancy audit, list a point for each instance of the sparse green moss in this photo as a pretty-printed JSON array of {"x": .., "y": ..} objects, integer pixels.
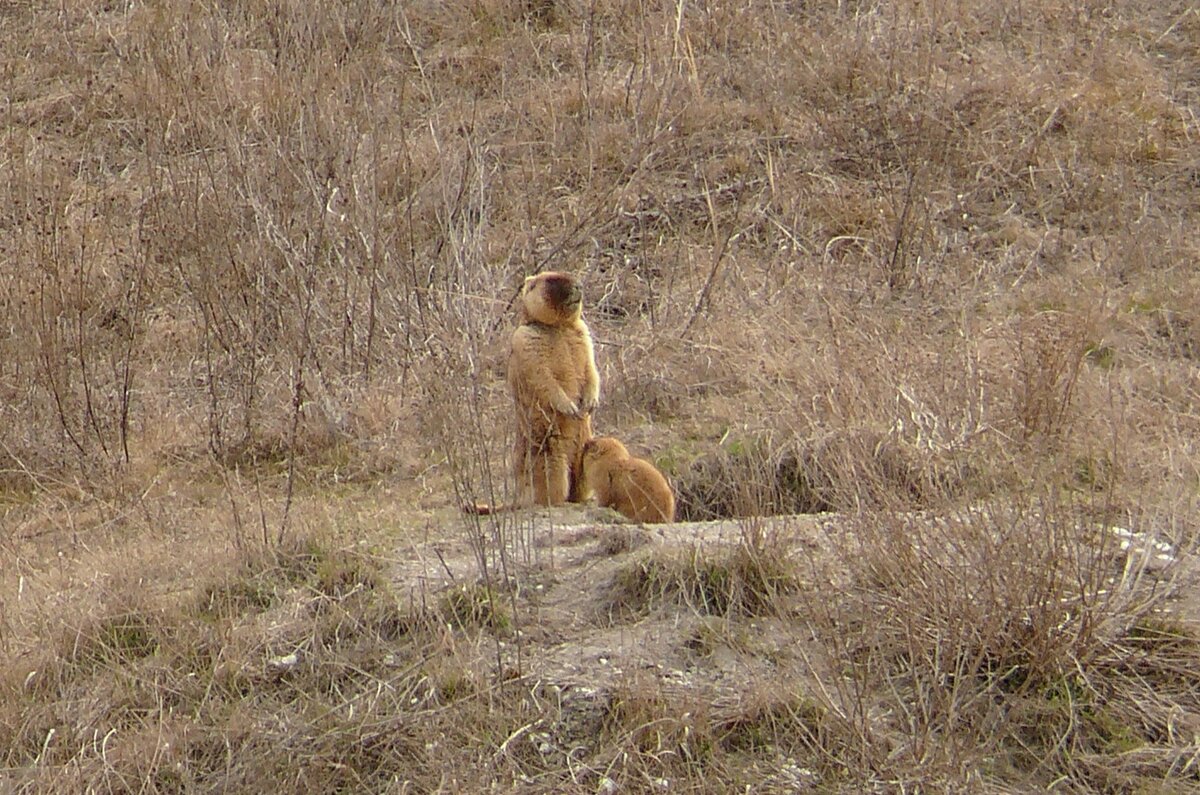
[
  {"x": 673, "y": 458},
  {"x": 129, "y": 636},
  {"x": 339, "y": 574},
  {"x": 468, "y": 606},
  {"x": 1102, "y": 356},
  {"x": 1111, "y": 735},
  {"x": 1093, "y": 473},
  {"x": 739, "y": 447},
  {"x": 16, "y": 490},
  {"x": 452, "y": 687},
  {"x": 113, "y": 641},
  {"x": 236, "y": 596}
]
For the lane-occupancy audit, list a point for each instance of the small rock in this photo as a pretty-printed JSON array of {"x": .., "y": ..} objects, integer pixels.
[{"x": 283, "y": 664}]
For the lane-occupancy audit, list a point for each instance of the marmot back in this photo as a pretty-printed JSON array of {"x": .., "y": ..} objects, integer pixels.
[{"x": 632, "y": 486}]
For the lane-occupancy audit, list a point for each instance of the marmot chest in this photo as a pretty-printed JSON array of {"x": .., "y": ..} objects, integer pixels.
[{"x": 564, "y": 352}]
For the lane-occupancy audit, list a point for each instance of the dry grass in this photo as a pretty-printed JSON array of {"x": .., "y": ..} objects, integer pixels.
[
  {"x": 926, "y": 264},
  {"x": 750, "y": 578}
]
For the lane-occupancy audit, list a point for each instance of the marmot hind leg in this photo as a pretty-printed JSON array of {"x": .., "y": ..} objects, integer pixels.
[
  {"x": 543, "y": 479},
  {"x": 551, "y": 478},
  {"x": 578, "y": 491}
]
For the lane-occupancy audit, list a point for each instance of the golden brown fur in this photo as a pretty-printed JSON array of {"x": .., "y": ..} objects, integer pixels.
[
  {"x": 629, "y": 485},
  {"x": 555, "y": 386}
]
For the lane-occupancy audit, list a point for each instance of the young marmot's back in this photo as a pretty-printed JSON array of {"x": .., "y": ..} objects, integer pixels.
[
  {"x": 629, "y": 485},
  {"x": 555, "y": 386}
]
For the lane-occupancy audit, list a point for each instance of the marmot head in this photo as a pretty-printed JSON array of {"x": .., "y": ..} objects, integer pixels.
[
  {"x": 604, "y": 447},
  {"x": 551, "y": 298}
]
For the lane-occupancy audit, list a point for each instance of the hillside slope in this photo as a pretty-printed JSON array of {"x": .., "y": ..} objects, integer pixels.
[{"x": 927, "y": 267}]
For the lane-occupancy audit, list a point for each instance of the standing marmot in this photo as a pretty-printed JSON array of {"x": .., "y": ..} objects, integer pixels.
[
  {"x": 555, "y": 386},
  {"x": 630, "y": 485}
]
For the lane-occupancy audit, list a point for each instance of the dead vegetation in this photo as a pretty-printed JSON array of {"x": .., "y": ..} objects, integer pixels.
[
  {"x": 750, "y": 578},
  {"x": 927, "y": 265}
]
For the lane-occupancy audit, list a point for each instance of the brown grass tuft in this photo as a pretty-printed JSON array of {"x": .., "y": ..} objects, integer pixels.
[{"x": 750, "y": 578}]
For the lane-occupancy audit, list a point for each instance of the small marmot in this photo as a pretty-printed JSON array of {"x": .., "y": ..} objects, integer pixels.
[
  {"x": 555, "y": 387},
  {"x": 629, "y": 485}
]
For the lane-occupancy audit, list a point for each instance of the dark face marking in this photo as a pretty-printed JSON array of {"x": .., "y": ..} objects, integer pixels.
[{"x": 561, "y": 290}]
